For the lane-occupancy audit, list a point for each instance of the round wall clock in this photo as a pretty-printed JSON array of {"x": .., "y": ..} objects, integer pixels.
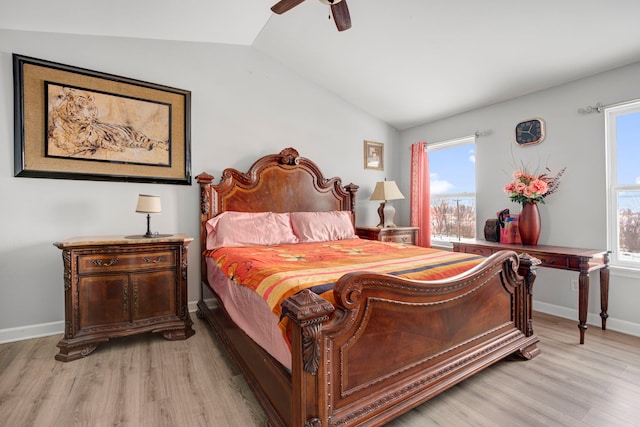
[{"x": 530, "y": 132}]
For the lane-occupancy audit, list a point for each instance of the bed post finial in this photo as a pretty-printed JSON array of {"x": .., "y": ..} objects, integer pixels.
[
  {"x": 289, "y": 156},
  {"x": 204, "y": 179},
  {"x": 352, "y": 189}
]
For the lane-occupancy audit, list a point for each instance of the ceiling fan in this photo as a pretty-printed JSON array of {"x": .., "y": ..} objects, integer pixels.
[{"x": 339, "y": 10}]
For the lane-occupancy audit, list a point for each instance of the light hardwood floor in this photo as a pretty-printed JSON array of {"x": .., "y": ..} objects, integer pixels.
[{"x": 148, "y": 381}]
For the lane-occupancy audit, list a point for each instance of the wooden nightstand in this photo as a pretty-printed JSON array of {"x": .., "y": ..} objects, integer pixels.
[
  {"x": 116, "y": 286},
  {"x": 392, "y": 234}
]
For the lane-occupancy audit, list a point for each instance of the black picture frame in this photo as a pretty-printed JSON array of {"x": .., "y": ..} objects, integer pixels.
[{"x": 62, "y": 129}]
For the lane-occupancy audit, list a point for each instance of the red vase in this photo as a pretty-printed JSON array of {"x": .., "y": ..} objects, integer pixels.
[{"x": 529, "y": 224}]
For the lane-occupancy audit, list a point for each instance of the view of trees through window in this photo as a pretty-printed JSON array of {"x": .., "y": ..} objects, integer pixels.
[
  {"x": 452, "y": 173},
  {"x": 453, "y": 216},
  {"x": 629, "y": 225}
]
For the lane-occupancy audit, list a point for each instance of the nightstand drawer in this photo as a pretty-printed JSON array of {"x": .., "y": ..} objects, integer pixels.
[
  {"x": 116, "y": 262},
  {"x": 408, "y": 235},
  {"x": 398, "y": 237}
]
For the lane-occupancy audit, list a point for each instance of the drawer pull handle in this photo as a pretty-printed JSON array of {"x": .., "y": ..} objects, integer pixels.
[
  {"x": 153, "y": 261},
  {"x": 101, "y": 263}
]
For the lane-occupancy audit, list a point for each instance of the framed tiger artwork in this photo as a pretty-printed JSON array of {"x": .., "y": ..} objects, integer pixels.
[{"x": 74, "y": 123}]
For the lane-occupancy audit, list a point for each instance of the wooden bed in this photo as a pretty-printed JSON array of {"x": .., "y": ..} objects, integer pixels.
[{"x": 447, "y": 329}]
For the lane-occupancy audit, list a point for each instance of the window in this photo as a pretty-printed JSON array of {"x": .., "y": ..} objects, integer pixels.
[
  {"x": 452, "y": 170},
  {"x": 622, "y": 124}
]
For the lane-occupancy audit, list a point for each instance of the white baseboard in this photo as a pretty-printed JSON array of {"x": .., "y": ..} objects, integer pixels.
[
  {"x": 45, "y": 329},
  {"x": 593, "y": 319},
  {"x": 31, "y": 331},
  {"x": 193, "y": 306}
]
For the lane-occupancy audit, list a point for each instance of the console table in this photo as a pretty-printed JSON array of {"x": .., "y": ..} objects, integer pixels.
[{"x": 583, "y": 261}]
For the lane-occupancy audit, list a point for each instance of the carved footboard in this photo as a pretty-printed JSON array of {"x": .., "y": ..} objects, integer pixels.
[{"x": 393, "y": 343}]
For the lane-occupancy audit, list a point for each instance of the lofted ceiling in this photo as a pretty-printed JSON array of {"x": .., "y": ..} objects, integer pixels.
[{"x": 406, "y": 62}]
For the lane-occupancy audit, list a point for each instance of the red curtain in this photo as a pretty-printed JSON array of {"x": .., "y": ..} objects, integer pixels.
[{"x": 420, "y": 194}]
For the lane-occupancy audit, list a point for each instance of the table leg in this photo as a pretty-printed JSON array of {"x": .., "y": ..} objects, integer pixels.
[
  {"x": 604, "y": 292},
  {"x": 583, "y": 300}
]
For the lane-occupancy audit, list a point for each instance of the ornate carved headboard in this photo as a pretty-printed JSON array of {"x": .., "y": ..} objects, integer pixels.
[{"x": 283, "y": 182}]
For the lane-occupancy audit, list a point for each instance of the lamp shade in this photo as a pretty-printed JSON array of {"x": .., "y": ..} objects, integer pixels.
[
  {"x": 148, "y": 204},
  {"x": 386, "y": 190}
]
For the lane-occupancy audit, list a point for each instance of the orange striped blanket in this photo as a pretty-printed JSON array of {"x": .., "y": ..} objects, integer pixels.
[{"x": 277, "y": 272}]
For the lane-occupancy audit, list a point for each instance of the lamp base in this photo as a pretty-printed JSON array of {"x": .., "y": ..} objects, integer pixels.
[
  {"x": 381, "y": 215},
  {"x": 389, "y": 212},
  {"x": 155, "y": 235},
  {"x": 386, "y": 212},
  {"x": 144, "y": 236},
  {"x": 148, "y": 234}
]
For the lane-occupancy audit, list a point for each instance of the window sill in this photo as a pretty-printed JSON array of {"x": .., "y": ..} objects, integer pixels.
[{"x": 625, "y": 271}]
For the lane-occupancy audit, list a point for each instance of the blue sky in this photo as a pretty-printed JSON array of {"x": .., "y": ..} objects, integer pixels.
[
  {"x": 446, "y": 174},
  {"x": 628, "y": 133},
  {"x": 628, "y": 156}
]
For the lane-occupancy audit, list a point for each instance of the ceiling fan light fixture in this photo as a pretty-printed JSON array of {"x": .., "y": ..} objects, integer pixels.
[{"x": 330, "y": 2}]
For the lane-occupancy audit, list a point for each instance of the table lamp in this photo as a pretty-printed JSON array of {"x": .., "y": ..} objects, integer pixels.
[
  {"x": 385, "y": 191},
  {"x": 149, "y": 204}
]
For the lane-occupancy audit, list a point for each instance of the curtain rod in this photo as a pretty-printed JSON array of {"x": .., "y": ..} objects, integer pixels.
[
  {"x": 599, "y": 107},
  {"x": 592, "y": 108},
  {"x": 476, "y": 134},
  {"x": 440, "y": 144}
]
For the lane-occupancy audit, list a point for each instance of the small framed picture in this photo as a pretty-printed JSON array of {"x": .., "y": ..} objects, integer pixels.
[{"x": 373, "y": 155}]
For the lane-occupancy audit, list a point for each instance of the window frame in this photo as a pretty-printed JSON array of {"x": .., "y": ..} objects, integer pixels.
[
  {"x": 442, "y": 145},
  {"x": 613, "y": 189}
]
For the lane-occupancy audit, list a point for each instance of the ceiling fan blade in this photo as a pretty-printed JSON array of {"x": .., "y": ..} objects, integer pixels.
[
  {"x": 283, "y": 5},
  {"x": 340, "y": 13}
]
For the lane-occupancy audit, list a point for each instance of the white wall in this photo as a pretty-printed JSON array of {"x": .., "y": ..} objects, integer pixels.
[
  {"x": 244, "y": 105},
  {"x": 575, "y": 216}
]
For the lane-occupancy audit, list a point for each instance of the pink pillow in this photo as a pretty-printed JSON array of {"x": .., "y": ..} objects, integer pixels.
[
  {"x": 322, "y": 226},
  {"x": 235, "y": 229}
]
